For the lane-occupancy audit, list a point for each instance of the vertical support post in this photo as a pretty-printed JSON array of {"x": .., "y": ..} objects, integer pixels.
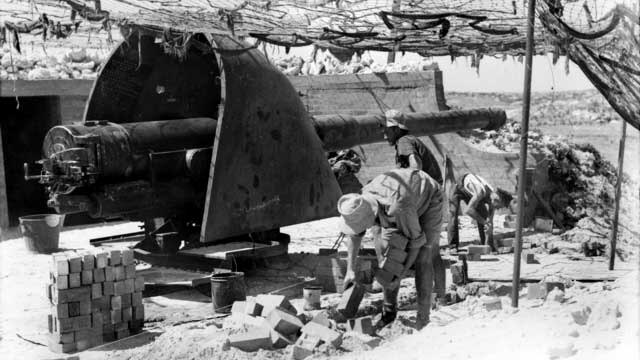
[
  {"x": 4, "y": 207},
  {"x": 391, "y": 57},
  {"x": 614, "y": 229},
  {"x": 524, "y": 138}
]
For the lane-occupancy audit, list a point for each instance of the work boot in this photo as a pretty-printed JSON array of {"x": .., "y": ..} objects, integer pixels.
[
  {"x": 421, "y": 322},
  {"x": 388, "y": 316},
  {"x": 375, "y": 288}
]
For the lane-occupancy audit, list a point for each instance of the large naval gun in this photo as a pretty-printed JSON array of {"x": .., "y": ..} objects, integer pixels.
[{"x": 217, "y": 143}]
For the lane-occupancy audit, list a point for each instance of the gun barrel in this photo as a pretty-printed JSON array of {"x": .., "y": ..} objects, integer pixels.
[{"x": 341, "y": 132}]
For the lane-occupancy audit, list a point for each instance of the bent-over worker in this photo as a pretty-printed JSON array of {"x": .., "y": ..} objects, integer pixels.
[
  {"x": 410, "y": 151},
  {"x": 482, "y": 201},
  {"x": 410, "y": 201}
]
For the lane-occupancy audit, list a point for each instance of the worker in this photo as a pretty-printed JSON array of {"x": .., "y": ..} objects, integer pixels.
[
  {"x": 412, "y": 202},
  {"x": 410, "y": 151},
  {"x": 482, "y": 201}
]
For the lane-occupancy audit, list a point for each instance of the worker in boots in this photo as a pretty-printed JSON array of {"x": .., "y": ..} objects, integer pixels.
[
  {"x": 412, "y": 202},
  {"x": 482, "y": 201},
  {"x": 410, "y": 151}
]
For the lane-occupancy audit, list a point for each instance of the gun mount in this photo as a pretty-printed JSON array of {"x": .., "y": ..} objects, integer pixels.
[{"x": 219, "y": 145}]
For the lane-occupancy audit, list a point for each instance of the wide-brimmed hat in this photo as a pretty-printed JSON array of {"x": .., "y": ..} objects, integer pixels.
[
  {"x": 395, "y": 118},
  {"x": 357, "y": 213}
]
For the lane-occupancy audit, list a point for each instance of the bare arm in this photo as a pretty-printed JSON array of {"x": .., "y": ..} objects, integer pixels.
[
  {"x": 415, "y": 162},
  {"x": 490, "y": 227},
  {"x": 353, "y": 247}
]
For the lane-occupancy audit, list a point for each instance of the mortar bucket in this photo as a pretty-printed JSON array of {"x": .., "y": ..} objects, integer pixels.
[
  {"x": 225, "y": 289},
  {"x": 41, "y": 232}
]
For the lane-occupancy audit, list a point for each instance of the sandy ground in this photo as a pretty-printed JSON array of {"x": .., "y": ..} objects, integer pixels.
[{"x": 535, "y": 330}]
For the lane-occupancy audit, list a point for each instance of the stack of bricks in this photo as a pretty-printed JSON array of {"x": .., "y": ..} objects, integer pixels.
[
  {"x": 95, "y": 297},
  {"x": 392, "y": 265}
]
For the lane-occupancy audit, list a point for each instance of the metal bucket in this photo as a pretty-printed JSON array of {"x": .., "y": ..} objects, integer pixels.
[
  {"x": 41, "y": 232},
  {"x": 225, "y": 289}
]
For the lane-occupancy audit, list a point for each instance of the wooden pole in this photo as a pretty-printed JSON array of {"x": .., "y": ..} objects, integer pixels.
[
  {"x": 614, "y": 230},
  {"x": 391, "y": 57},
  {"x": 524, "y": 137}
]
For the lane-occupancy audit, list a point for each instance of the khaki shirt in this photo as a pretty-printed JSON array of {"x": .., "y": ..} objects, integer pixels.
[{"x": 403, "y": 196}]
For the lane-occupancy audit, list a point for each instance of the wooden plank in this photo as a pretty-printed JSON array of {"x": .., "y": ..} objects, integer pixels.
[
  {"x": 45, "y": 88},
  {"x": 236, "y": 249},
  {"x": 364, "y": 81},
  {"x": 4, "y": 208}
]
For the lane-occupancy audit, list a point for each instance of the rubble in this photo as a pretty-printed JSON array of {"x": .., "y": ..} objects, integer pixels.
[{"x": 74, "y": 64}]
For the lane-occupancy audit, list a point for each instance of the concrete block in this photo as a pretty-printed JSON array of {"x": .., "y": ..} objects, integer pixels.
[
  {"x": 279, "y": 341},
  {"x": 69, "y": 295},
  {"x": 395, "y": 254},
  {"x": 119, "y": 288},
  {"x": 60, "y": 347},
  {"x": 491, "y": 303},
  {"x": 323, "y": 319},
  {"x": 270, "y": 302},
  {"x": 85, "y": 307},
  {"x": 127, "y": 257},
  {"x": 59, "y": 265},
  {"x": 127, "y": 314},
  {"x": 96, "y": 321},
  {"x": 474, "y": 257},
  {"x": 531, "y": 259},
  {"x": 536, "y": 291},
  {"x": 391, "y": 266},
  {"x": 73, "y": 323},
  {"x": 350, "y": 301},
  {"x": 75, "y": 280},
  {"x": 503, "y": 290},
  {"x": 129, "y": 286},
  {"x": 98, "y": 275},
  {"x": 130, "y": 271},
  {"x": 324, "y": 333},
  {"x": 549, "y": 286},
  {"x": 116, "y": 316},
  {"x": 75, "y": 263},
  {"x": 116, "y": 302},
  {"x": 138, "y": 283},
  {"x": 252, "y": 340},
  {"x": 457, "y": 275},
  {"x": 109, "y": 274},
  {"x": 136, "y": 298},
  {"x": 238, "y": 307},
  {"x": 86, "y": 277},
  {"x": 283, "y": 321},
  {"x": 397, "y": 240},
  {"x": 108, "y": 335},
  {"x": 253, "y": 308},
  {"x": 505, "y": 242},
  {"x": 88, "y": 260},
  {"x": 543, "y": 224},
  {"x": 108, "y": 288},
  {"x": 63, "y": 338},
  {"x": 505, "y": 250},
  {"x": 384, "y": 277},
  {"x": 126, "y": 300},
  {"x": 74, "y": 309},
  {"x": 61, "y": 282},
  {"x": 101, "y": 303},
  {"x": 102, "y": 259},
  {"x": 304, "y": 346},
  {"x": 362, "y": 325},
  {"x": 119, "y": 273},
  {"x": 138, "y": 312},
  {"x": 479, "y": 249},
  {"x": 115, "y": 257}
]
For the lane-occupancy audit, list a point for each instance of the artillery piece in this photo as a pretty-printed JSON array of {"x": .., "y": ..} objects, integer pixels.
[{"x": 217, "y": 144}]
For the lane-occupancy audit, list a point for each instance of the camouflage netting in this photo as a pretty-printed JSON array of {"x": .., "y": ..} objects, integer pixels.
[{"x": 598, "y": 35}]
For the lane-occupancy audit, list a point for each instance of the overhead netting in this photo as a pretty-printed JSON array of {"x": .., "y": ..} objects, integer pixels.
[{"x": 601, "y": 36}]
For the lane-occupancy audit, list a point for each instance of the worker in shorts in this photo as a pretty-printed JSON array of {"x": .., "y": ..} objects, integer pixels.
[
  {"x": 408, "y": 200},
  {"x": 410, "y": 151},
  {"x": 482, "y": 201}
]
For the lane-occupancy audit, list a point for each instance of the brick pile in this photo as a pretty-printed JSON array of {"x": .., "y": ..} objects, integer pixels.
[{"x": 95, "y": 297}]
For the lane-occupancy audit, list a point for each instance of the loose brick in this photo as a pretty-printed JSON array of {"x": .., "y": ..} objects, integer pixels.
[
  {"x": 102, "y": 259},
  {"x": 238, "y": 307},
  {"x": 304, "y": 346},
  {"x": 252, "y": 340},
  {"x": 129, "y": 286},
  {"x": 109, "y": 274},
  {"x": 136, "y": 298},
  {"x": 253, "y": 308},
  {"x": 457, "y": 275},
  {"x": 395, "y": 254},
  {"x": 119, "y": 288},
  {"x": 69, "y": 295},
  {"x": 88, "y": 260},
  {"x": 479, "y": 249},
  {"x": 116, "y": 316},
  {"x": 362, "y": 325},
  {"x": 491, "y": 303},
  {"x": 283, "y": 321},
  {"x": 61, "y": 311},
  {"x": 126, "y": 300},
  {"x": 116, "y": 302},
  {"x": 324, "y": 333},
  {"x": 98, "y": 275},
  {"x": 115, "y": 257},
  {"x": 127, "y": 314},
  {"x": 130, "y": 271},
  {"x": 59, "y": 265},
  {"x": 74, "y": 308},
  {"x": 139, "y": 283},
  {"x": 119, "y": 272},
  {"x": 397, "y": 240},
  {"x": 75, "y": 280},
  {"x": 85, "y": 307},
  {"x": 108, "y": 288},
  {"x": 127, "y": 257},
  {"x": 536, "y": 291},
  {"x": 270, "y": 302},
  {"x": 391, "y": 266},
  {"x": 61, "y": 282},
  {"x": 87, "y": 277},
  {"x": 138, "y": 312},
  {"x": 350, "y": 301},
  {"x": 75, "y": 263},
  {"x": 279, "y": 341},
  {"x": 323, "y": 319}
]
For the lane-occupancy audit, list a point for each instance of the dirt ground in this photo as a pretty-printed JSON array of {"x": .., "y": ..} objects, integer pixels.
[{"x": 182, "y": 325}]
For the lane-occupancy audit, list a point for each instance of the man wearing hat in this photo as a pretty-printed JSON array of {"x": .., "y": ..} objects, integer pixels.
[
  {"x": 410, "y": 151},
  {"x": 408, "y": 200},
  {"x": 482, "y": 201}
]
